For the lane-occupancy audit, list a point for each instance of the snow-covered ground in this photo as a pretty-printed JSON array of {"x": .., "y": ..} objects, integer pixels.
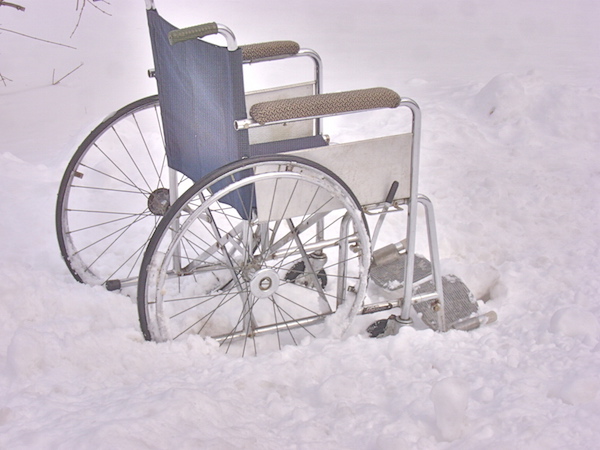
[{"x": 510, "y": 93}]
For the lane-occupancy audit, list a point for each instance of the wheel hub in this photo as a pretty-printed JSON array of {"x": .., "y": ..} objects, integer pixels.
[
  {"x": 159, "y": 202},
  {"x": 264, "y": 283}
]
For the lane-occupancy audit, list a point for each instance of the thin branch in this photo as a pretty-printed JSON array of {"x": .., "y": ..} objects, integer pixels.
[
  {"x": 54, "y": 83},
  {"x": 100, "y": 9},
  {"x": 12, "y": 5},
  {"x": 4, "y": 79},
  {"x": 83, "y": 3},
  {"x": 38, "y": 39},
  {"x": 79, "y": 17}
]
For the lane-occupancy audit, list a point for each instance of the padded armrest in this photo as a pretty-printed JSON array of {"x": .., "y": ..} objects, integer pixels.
[
  {"x": 324, "y": 105},
  {"x": 267, "y": 50}
]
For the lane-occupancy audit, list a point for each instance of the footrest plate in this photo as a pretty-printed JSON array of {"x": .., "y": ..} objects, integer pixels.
[
  {"x": 391, "y": 276},
  {"x": 459, "y": 302}
]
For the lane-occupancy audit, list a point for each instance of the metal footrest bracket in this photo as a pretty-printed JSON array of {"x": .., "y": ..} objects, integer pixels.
[{"x": 460, "y": 306}]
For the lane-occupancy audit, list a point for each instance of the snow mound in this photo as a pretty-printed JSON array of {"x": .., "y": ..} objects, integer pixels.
[
  {"x": 577, "y": 323},
  {"x": 501, "y": 99},
  {"x": 519, "y": 106},
  {"x": 577, "y": 390},
  {"x": 450, "y": 398}
]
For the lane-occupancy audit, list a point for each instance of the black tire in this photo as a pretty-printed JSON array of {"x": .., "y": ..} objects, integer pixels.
[{"x": 112, "y": 195}]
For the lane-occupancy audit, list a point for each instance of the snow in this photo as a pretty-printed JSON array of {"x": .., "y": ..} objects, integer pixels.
[
  {"x": 510, "y": 93},
  {"x": 450, "y": 398}
]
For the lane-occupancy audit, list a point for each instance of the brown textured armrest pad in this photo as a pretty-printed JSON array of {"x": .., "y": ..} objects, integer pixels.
[
  {"x": 197, "y": 31},
  {"x": 265, "y": 50},
  {"x": 324, "y": 105}
]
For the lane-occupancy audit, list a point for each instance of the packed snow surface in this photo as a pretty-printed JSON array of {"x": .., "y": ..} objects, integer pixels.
[{"x": 510, "y": 93}]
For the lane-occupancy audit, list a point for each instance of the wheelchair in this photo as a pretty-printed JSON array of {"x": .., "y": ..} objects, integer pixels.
[{"x": 229, "y": 215}]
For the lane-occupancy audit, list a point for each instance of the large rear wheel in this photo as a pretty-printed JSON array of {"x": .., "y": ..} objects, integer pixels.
[{"x": 114, "y": 192}]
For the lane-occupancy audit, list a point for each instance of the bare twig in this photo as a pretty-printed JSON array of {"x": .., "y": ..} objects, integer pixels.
[
  {"x": 38, "y": 39},
  {"x": 83, "y": 3},
  {"x": 12, "y": 5},
  {"x": 78, "y": 17},
  {"x": 4, "y": 79},
  {"x": 54, "y": 83},
  {"x": 100, "y": 9}
]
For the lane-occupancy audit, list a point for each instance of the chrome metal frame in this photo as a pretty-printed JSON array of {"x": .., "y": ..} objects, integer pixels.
[
  {"x": 318, "y": 79},
  {"x": 411, "y": 228},
  {"x": 229, "y": 37},
  {"x": 411, "y": 202}
]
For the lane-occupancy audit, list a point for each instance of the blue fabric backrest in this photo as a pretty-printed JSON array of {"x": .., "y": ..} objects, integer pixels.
[{"x": 201, "y": 93}]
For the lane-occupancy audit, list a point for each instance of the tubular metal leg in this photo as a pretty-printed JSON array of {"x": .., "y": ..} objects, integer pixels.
[
  {"x": 434, "y": 256},
  {"x": 411, "y": 232},
  {"x": 435, "y": 264},
  {"x": 411, "y": 227}
]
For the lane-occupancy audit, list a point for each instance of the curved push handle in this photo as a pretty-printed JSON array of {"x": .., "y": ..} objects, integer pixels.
[{"x": 197, "y": 31}]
